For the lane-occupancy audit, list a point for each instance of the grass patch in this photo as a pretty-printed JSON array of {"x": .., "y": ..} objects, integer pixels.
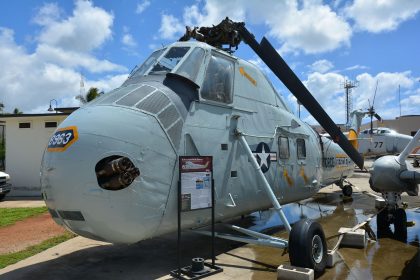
[
  {"x": 9, "y": 216},
  {"x": 11, "y": 258}
]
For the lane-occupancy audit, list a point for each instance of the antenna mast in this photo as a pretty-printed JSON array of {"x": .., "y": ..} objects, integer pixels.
[
  {"x": 82, "y": 85},
  {"x": 348, "y": 85}
]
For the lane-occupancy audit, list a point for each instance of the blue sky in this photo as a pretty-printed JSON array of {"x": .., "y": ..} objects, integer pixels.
[{"x": 44, "y": 46}]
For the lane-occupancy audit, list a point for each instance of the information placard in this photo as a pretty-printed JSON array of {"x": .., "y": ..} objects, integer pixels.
[{"x": 196, "y": 182}]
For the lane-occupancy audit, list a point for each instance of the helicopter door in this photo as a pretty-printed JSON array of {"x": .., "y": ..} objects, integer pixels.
[{"x": 285, "y": 165}]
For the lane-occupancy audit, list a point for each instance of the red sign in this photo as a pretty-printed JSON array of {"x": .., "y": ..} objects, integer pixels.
[{"x": 195, "y": 164}]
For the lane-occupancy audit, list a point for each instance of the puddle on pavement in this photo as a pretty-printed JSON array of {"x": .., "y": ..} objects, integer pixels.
[{"x": 385, "y": 259}]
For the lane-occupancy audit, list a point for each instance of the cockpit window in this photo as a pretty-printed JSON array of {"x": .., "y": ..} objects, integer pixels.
[
  {"x": 191, "y": 66},
  {"x": 140, "y": 71},
  {"x": 218, "y": 82},
  {"x": 169, "y": 60}
]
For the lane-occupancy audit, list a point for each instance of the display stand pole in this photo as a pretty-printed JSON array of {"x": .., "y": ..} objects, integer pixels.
[
  {"x": 213, "y": 258},
  {"x": 179, "y": 227},
  {"x": 198, "y": 269}
]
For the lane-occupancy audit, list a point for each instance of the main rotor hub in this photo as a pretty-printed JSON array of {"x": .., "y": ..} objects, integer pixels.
[{"x": 225, "y": 33}]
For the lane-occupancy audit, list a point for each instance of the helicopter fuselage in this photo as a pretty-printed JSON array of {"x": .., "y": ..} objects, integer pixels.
[{"x": 186, "y": 99}]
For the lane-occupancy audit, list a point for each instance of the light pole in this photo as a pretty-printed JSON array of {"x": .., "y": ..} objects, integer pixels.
[{"x": 51, "y": 109}]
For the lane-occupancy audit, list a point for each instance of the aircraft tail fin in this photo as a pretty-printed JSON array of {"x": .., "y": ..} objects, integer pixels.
[
  {"x": 352, "y": 136},
  {"x": 354, "y": 127}
]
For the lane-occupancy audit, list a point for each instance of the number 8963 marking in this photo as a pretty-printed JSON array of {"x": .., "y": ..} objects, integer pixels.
[{"x": 62, "y": 139}]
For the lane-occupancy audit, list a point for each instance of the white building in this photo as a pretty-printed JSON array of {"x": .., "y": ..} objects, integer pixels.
[{"x": 26, "y": 137}]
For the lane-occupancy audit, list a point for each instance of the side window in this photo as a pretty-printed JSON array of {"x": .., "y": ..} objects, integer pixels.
[
  {"x": 218, "y": 81},
  {"x": 283, "y": 147},
  {"x": 301, "y": 148},
  {"x": 191, "y": 65},
  {"x": 50, "y": 124},
  {"x": 24, "y": 125}
]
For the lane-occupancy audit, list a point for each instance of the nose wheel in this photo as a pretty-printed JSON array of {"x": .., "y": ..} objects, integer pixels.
[
  {"x": 307, "y": 246},
  {"x": 347, "y": 190}
]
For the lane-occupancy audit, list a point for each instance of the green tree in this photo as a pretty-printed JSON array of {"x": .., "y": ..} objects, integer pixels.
[
  {"x": 16, "y": 111},
  {"x": 92, "y": 93},
  {"x": 1, "y": 107}
]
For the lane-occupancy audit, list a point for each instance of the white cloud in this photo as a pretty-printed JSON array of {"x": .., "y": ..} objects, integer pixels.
[
  {"x": 170, "y": 27},
  {"x": 311, "y": 27},
  {"x": 73, "y": 59},
  {"x": 356, "y": 67},
  {"x": 86, "y": 29},
  {"x": 141, "y": 7},
  {"x": 321, "y": 66},
  {"x": 69, "y": 41},
  {"x": 328, "y": 90},
  {"x": 386, "y": 100},
  {"x": 127, "y": 39},
  {"x": 30, "y": 79},
  {"x": 379, "y": 15},
  {"x": 48, "y": 14},
  {"x": 410, "y": 105},
  {"x": 108, "y": 83}
]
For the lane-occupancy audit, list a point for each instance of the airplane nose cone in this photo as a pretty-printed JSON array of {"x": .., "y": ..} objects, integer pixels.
[{"x": 69, "y": 174}]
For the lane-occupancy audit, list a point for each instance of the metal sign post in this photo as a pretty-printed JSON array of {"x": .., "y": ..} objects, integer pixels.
[{"x": 195, "y": 192}]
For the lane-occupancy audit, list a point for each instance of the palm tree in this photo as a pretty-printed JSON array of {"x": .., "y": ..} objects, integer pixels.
[
  {"x": 92, "y": 93},
  {"x": 16, "y": 111}
]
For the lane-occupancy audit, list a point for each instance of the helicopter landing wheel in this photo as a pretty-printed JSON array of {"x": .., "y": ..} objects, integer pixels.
[
  {"x": 347, "y": 190},
  {"x": 416, "y": 163},
  {"x": 307, "y": 246}
]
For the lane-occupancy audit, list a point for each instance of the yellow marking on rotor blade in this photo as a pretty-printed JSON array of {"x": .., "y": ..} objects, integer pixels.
[
  {"x": 246, "y": 75},
  {"x": 303, "y": 175},
  {"x": 288, "y": 179}
]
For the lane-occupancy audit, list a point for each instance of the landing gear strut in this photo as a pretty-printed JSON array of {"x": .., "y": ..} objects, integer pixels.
[
  {"x": 398, "y": 217},
  {"x": 306, "y": 245}
]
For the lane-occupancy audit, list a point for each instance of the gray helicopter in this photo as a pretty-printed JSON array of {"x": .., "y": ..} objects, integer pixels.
[{"x": 110, "y": 171}]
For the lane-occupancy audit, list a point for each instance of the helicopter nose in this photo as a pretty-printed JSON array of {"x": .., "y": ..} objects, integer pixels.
[{"x": 107, "y": 173}]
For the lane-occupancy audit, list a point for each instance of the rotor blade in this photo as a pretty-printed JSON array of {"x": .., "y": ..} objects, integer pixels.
[
  {"x": 410, "y": 146},
  {"x": 378, "y": 117},
  {"x": 376, "y": 88},
  {"x": 280, "y": 68}
]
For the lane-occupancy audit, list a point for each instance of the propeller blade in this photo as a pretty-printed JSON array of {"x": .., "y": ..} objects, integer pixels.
[
  {"x": 410, "y": 175},
  {"x": 378, "y": 117},
  {"x": 410, "y": 146},
  {"x": 280, "y": 68}
]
